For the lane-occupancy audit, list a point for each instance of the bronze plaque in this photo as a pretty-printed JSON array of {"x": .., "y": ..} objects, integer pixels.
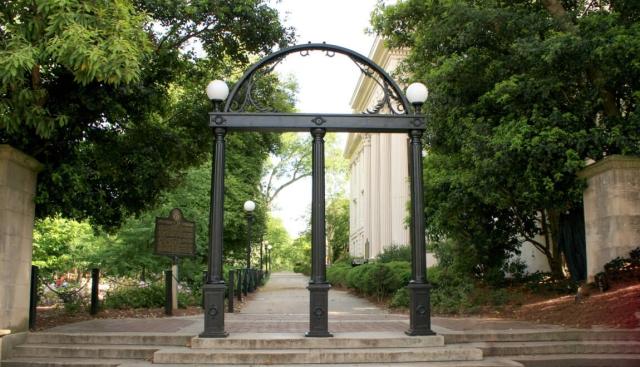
[{"x": 175, "y": 236}]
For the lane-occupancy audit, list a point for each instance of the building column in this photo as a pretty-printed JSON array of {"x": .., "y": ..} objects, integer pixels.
[
  {"x": 374, "y": 212},
  {"x": 419, "y": 288},
  {"x": 215, "y": 287},
  {"x": 18, "y": 177},
  {"x": 366, "y": 199},
  {"x": 385, "y": 193},
  {"x": 318, "y": 286}
]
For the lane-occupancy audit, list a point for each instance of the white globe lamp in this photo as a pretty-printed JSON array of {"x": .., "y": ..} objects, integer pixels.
[
  {"x": 217, "y": 90},
  {"x": 249, "y": 206}
]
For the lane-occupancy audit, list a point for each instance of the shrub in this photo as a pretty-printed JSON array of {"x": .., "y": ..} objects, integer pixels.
[
  {"x": 379, "y": 279},
  {"x": 122, "y": 297},
  {"x": 303, "y": 268},
  {"x": 395, "y": 253},
  {"x": 400, "y": 298},
  {"x": 450, "y": 291},
  {"x": 337, "y": 274}
]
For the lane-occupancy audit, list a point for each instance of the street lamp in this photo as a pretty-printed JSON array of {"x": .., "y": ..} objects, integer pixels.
[
  {"x": 249, "y": 207},
  {"x": 217, "y": 91},
  {"x": 417, "y": 94},
  {"x": 269, "y": 247},
  {"x": 215, "y": 288}
]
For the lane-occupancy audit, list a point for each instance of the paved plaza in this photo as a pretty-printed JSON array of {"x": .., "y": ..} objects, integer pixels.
[{"x": 282, "y": 306}]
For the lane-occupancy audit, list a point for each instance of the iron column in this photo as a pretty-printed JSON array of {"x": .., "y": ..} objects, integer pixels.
[
  {"x": 215, "y": 288},
  {"x": 318, "y": 286},
  {"x": 419, "y": 288}
]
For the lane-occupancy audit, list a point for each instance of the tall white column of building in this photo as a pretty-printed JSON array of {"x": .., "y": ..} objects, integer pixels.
[
  {"x": 385, "y": 192},
  {"x": 374, "y": 241},
  {"x": 366, "y": 147},
  {"x": 399, "y": 188}
]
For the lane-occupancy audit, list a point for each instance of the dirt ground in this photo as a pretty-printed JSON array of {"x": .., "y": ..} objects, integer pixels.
[{"x": 618, "y": 308}]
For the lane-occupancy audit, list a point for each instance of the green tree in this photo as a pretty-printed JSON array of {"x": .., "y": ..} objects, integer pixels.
[
  {"x": 337, "y": 217},
  {"x": 522, "y": 93},
  {"x": 109, "y": 94},
  {"x": 291, "y": 162},
  {"x": 61, "y": 246}
]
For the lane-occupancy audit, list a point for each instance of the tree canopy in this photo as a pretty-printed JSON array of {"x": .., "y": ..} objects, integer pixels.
[
  {"x": 108, "y": 95},
  {"x": 522, "y": 94}
]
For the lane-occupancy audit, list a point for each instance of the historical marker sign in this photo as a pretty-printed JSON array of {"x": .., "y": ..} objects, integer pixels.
[{"x": 175, "y": 236}]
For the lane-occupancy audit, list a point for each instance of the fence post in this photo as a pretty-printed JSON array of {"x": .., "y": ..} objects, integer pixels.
[
  {"x": 230, "y": 295},
  {"x": 239, "y": 286},
  {"x": 95, "y": 290},
  {"x": 168, "y": 302},
  {"x": 245, "y": 281},
  {"x": 33, "y": 300}
]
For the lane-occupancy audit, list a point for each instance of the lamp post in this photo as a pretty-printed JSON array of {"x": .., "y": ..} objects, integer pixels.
[
  {"x": 269, "y": 247},
  {"x": 419, "y": 288},
  {"x": 214, "y": 289},
  {"x": 249, "y": 207}
]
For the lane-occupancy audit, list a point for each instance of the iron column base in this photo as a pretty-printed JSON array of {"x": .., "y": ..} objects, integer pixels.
[
  {"x": 318, "y": 310},
  {"x": 420, "y": 309},
  {"x": 214, "y": 311}
]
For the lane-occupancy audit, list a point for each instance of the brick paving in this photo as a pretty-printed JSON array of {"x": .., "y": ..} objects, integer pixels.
[{"x": 282, "y": 306}]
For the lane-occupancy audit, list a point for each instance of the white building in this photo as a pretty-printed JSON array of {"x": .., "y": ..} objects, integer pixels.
[
  {"x": 379, "y": 186},
  {"x": 379, "y": 178}
]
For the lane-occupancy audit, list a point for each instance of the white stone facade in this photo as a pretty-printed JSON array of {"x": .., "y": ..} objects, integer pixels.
[{"x": 379, "y": 182}]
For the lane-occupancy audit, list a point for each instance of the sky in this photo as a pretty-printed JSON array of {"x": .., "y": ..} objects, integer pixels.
[{"x": 325, "y": 84}]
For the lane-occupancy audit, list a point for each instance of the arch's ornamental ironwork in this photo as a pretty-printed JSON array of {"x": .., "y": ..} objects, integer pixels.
[
  {"x": 242, "y": 98},
  {"x": 307, "y": 121}
]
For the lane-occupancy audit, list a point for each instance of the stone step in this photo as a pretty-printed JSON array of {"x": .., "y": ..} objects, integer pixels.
[
  {"x": 555, "y": 347},
  {"x": 85, "y": 351},
  {"x": 580, "y": 360},
  {"x": 75, "y": 362},
  {"x": 109, "y": 338},
  {"x": 320, "y": 356},
  {"x": 296, "y": 341},
  {"x": 489, "y": 362},
  {"x": 539, "y": 335}
]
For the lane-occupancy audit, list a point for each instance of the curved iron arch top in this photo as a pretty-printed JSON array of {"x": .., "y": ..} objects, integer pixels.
[{"x": 393, "y": 98}]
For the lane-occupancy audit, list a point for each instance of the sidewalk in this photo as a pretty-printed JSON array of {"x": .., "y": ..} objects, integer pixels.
[{"x": 282, "y": 306}]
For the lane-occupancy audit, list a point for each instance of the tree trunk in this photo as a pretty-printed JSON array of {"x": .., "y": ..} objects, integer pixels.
[{"x": 550, "y": 230}]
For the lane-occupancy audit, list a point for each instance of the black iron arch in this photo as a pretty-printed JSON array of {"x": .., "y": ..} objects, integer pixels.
[
  {"x": 236, "y": 116},
  {"x": 241, "y": 94}
]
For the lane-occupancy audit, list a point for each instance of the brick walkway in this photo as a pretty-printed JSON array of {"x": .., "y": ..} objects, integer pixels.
[{"x": 282, "y": 306}]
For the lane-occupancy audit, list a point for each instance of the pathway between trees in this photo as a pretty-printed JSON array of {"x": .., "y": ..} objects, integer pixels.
[{"x": 282, "y": 306}]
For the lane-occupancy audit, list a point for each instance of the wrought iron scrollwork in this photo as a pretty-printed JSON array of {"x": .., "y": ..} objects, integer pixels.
[
  {"x": 247, "y": 99},
  {"x": 247, "y": 96},
  {"x": 390, "y": 98}
]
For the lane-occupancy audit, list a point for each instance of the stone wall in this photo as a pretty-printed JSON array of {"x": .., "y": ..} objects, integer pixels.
[
  {"x": 611, "y": 210},
  {"x": 18, "y": 174}
]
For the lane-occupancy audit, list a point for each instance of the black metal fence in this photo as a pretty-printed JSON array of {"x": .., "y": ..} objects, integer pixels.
[{"x": 240, "y": 283}]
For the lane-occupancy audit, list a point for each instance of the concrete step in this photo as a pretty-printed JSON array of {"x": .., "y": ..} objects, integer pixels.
[
  {"x": 321, "y": 356},
  {"x": 554, "y": 347},
  {"x": 295, "y": 341},
  {"x": 109, "y": 338},
  {"x": 85, "y": 351},
  {"x": 489, "y": 362},
  {"x": 75, "y": 362},
  {"x": 580, "y": 360},
  {"x": 539, "y": 335}
]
